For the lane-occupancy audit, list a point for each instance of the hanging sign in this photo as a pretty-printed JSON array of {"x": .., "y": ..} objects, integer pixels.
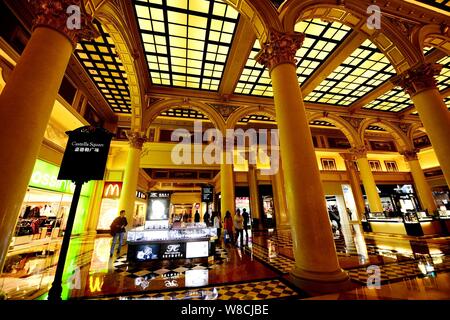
[
  {"x": 207, "y": 194},
  {"x": 86, "y": 154}
]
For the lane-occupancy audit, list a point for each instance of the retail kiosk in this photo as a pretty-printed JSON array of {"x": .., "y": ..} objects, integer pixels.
[{"x": 160, "y": 240}]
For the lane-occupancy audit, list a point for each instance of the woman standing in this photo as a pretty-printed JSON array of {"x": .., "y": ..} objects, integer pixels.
[{"x": 228, "y": 225}]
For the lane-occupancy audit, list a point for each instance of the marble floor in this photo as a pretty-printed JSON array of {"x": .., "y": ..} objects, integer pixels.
[{"x": 408, "y": 268}]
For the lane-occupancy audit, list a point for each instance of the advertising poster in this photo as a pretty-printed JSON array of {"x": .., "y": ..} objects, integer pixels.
[
  {"x": 158, "y": 206},
  {"x": 147, "y": 252}
]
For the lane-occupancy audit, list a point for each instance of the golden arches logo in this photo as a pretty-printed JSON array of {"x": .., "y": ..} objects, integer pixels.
[
  {"x": 112, "y": 190},
  {"x": 95, "y": 284}
]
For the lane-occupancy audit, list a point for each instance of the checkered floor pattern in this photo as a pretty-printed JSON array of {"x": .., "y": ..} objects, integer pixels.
[
  {"x": 262, "y": 290},
  {"x": 278, "y": 262},
  {"x": 397, "y": 271},
  {"x": 160, "y": 270}
]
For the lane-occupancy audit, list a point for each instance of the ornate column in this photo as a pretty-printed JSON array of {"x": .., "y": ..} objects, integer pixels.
[
  {"x": 27, "y": 100},
  {"x": 255, "y": 208},
  {"x": 316, "y": 264},
  {"x": 420, "y": 83},
  {"x": 367, "y": 178},
  {"x": 355, "y": 184},
  {"x": 131, "y": 174},
  {"x": 422, "y": 187},
  {"x": 279, "y": 200}
]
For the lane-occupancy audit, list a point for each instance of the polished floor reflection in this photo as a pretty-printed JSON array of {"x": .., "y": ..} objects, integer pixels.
[{"x": 408, "y": 268}]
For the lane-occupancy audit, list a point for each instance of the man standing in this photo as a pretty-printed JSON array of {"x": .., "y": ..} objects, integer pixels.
[
  {"x": 118, "y": 231},
  {"x": 246, "y": 218}
]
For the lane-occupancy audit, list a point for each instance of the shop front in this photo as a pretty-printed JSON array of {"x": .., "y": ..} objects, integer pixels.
[
  {"x": 109, "y": 208},
  {"x": 46, "y": 206},
  {"x": 401, "y": 214},
  {"x": 33, "y": 252}
]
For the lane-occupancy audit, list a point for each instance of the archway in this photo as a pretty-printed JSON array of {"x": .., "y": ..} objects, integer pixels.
[
  {"x": 401, "y": 139},
  {"x": 161, "y": 106},
  {"x": 350, "y": 133},
  {"x": 242, "y": 112},
  {"x": 400, "y": 53}
]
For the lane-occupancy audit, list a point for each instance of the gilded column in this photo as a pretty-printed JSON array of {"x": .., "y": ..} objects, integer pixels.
[
  {"x": 420, "y": 83},
  {"x": 355, "y": 184},
  {"x": 423, "y": 189},
  {"x": 367, "y": 178},
  {"x": 27, "y": 100},
  {"x": 227, "y": 201},
  {"x": 255, "y": 208},
  {"x": 279, "y": 200},
  {"x": 131, "y": 175},
  {"x": 316, "y": 264}
]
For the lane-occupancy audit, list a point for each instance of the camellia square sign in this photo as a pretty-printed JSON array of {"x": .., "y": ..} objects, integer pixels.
[{"x": 86, "y": 154}]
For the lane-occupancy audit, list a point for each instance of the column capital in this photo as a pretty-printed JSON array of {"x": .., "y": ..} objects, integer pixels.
[
  {"x": 136, "y": 139},
  {"x": 60, "y": 15},
  {"x": 358, "y": 152},
  {"x": 347, "y": 156},
  {"x": 280, "y": 48},
  {"x": 418, "y": 78},
  {"x": 410, "y": 155}
]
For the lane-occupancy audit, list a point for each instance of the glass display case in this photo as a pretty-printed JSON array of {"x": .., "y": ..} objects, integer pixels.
[{"x": 141, "y": 234}]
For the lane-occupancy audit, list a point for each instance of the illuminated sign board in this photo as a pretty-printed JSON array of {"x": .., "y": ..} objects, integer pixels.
[
  {"x": 45, "y": 176},
  {"x": 197, "y": 249},
  {"x": 112, "y": 190},
  {"x": 158, "y": 206},
  {"x": 207, "y": 194},
  {"x": 141, "y": 195},
  {"x": 172, "y": 250}
]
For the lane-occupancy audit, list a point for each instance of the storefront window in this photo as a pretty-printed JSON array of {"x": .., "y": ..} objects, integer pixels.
[{"x": 34, "y": 249}]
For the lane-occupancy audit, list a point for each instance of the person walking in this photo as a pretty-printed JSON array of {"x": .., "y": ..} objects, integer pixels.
[
  {"x": 239, "y": 226},
  {"x": 246, "y": 218},
  {"x": 216, "y": 224},
  {"x": 206, "y": 217},
  {"x": 117, "y": 230},
  {"x": 228, "y": 225}
]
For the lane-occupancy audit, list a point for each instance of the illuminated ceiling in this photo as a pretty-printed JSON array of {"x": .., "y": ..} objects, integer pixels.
[
  {"x": 186, "y": 42},
  {"x": 321, "y": 40},
  {"x": 101, "y": 62}
]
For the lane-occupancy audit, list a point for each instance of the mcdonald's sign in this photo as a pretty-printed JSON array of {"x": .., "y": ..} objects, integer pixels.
[{"x": 112, "y": 190}]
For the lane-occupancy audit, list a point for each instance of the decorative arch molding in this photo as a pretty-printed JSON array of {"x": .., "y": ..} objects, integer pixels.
[
  {"x": 246, "y": 111},
  {"x": 261, "y": 14},
  {"x": 413, "y": 129},
  {"x": 403, "y": 142},
  {"x": 433, "y": 35},
  {"x": 111, "y": 18},
  {"x": 350, "y": 133},
  {"x": 158, "y": 107},
  {"x": 391, "y": 41}
]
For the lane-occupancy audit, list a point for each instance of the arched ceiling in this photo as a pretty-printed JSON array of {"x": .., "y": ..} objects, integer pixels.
[{"x": 204, "y": 48}]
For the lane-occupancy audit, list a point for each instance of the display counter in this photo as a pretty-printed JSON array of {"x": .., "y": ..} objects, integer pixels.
[
  {"x": 186, "y": 241},
  {"x": 411, "y": 224},
  {"x": 444, "y": 217}
]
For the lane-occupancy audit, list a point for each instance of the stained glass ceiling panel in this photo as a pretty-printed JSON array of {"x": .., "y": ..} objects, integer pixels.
[
  {"x": 321, "y": 39},
  {"x": 186, "y": 42},
  {"x": 444, "y": 77},
  {"x": 364, "y": 70},
  {"x": 100, "y": 60},
  {"x": 395, "y": 100},
  {"x": 183, "y": 114}
]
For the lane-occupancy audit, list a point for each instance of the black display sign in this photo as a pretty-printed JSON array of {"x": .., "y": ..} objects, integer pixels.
[
  {"x": 207, "y": 194},
  {"x": 173, "y": 250},
  {"x": 86, "y": 154}
]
